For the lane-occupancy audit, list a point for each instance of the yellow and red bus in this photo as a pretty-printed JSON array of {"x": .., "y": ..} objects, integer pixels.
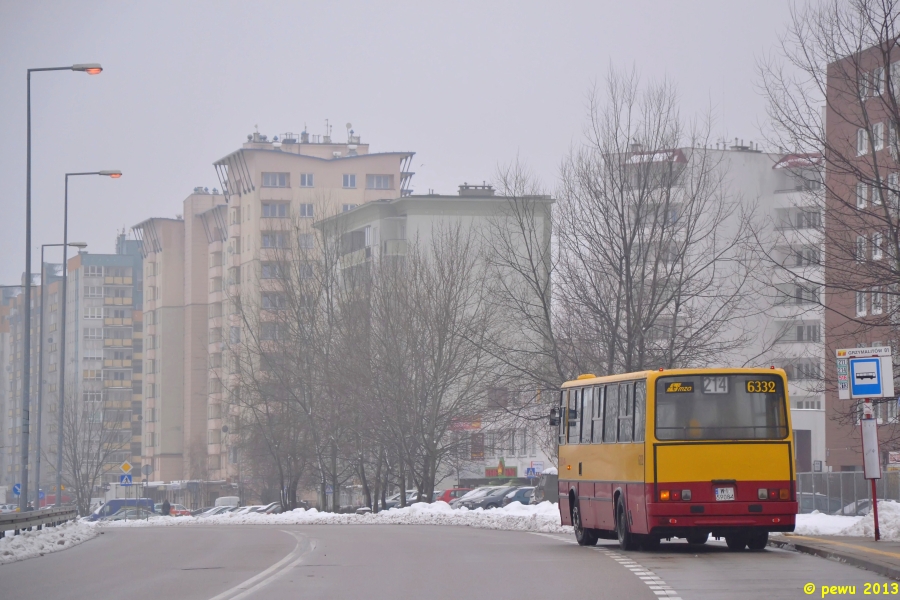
[{"x": 684, "y": 453}]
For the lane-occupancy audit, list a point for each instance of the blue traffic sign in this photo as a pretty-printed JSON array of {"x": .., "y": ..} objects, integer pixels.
[
  {"x": 40, "y": 494},
  {"x": 124, "y": 479},
  {"x": 529, "y": 472},
  {"x": 17, "y": 489},
  {"x": 865, "y": 377}
]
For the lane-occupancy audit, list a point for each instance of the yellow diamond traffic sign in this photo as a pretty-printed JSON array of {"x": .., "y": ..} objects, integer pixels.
[{"x": 126, "y": 467}]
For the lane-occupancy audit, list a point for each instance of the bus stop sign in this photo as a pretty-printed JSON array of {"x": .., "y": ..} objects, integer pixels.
[{"x": 865, "y": 373}]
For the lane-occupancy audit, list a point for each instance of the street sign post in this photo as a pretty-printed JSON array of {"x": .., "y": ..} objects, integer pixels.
[
  {"x": 871, "y": 459},
  {"x": 17, "y": 489}
]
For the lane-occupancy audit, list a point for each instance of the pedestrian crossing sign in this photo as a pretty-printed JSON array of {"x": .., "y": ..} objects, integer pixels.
[{"x": 124, "y": 479}]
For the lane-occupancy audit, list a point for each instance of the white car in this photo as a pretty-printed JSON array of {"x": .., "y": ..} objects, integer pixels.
[{"x": 8, "y": 508}]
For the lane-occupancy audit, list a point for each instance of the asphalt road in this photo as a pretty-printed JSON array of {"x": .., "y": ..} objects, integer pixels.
[{"x": 422, "y": 562}]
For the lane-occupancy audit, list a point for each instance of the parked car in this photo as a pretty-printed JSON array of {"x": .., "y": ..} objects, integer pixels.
[
  {"x": 861, "y": 507},
  {"x": 471, "y": 495},
  {"x": 820, "y": 502},
  {"x": 200, "y": 511},
  {"x": 215, "y": 510},
  {"x": 452, "y": 494},
  {"x": 132, "y": 513},
  {"x": 394, "y": 500},
  {"x": 491, "y": 499},
  {"x": 273, "y": 508},
  {"x": 114, "y": 505},
  {"x": 234, "y": 501},
  {"x": 8, "y": 508},
  {"x": 243, "y": 510},
  {"x": 178, "y": 510},
  {"x": 522, "y": 494}
]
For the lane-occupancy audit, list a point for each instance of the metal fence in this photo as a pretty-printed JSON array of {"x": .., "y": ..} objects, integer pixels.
[
  {"x": 844, "y": 493},
  {"x": 21, "y": 521}
]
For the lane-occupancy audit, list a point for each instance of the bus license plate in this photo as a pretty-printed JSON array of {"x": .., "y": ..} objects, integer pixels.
[{"x": 724, "y": 494}]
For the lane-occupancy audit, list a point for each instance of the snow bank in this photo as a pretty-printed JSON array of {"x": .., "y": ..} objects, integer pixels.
[
  {"x": 543, "y": 517},
  {"x": 817, "y": 523},
  {"x": 888, "y": 523},
  {"x": 50, "y": 539}
]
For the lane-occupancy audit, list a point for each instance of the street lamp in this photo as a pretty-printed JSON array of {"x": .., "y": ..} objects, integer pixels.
[
  {"x": 40, "y": 411},
  {"x": 62, "y": 325},
  {"x": 90, "y": 69}
]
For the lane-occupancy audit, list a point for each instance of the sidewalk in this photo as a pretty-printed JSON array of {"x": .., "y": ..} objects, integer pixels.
[{"x": 879, "y": 557}]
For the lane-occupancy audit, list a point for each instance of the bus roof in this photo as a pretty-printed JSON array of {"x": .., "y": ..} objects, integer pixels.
[{"x": 667, "y": 372}]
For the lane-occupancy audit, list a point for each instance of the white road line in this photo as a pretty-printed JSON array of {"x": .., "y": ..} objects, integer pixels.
[{"x": 252, "y": 585}]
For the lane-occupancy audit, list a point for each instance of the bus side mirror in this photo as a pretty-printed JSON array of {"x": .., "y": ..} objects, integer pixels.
[{"x": 554, "y": 417}]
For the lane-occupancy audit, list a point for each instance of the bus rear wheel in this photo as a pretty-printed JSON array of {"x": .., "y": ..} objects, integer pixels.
[
  {"x": 583, "y": 535},
  {"x": 736, "y": 541},
  {"x": 697, "y": 538},
  {"x": 627, "y": 540},
  {"x": 758, "y": 541}
]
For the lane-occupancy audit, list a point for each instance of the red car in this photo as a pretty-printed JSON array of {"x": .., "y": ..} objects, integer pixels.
[
  {"x": 452, "y": 494},
  {"x": 178, "y": 510}
]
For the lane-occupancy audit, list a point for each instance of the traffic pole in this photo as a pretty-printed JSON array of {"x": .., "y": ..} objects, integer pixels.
[{"x": 875, "y": 511}]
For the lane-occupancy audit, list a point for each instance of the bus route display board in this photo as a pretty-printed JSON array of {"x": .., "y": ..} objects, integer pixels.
[{"x": 865, "y": 373}]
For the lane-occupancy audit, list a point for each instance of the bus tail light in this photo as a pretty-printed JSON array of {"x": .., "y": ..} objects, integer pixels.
[
  {"x": 776, "y": 520},
  {"x": 686, "y": 495},
  {"x": 664, "y": 495},
  {"x": 676, "y": 495},
  {"x": 773, "y": 494},
  {"x": 673, "y": 521},
  {"x": 762, "y": 493},
  {"x": 784, "y": 494}
]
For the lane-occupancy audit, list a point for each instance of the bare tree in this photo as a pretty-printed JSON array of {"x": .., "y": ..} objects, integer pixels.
[
  {"x": 92, "y": 440},
  {"x": 838, "y": 65}
]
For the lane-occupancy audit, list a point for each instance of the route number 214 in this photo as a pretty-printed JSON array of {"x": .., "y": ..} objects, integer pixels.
[{"x": 715, "y": 385}]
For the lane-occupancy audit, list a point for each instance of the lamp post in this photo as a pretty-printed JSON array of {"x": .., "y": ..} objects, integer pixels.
[
  {"x": 62, "y": 326},
  {"x": 90, "y": 69},
  {"x": 40, "y": 411}
]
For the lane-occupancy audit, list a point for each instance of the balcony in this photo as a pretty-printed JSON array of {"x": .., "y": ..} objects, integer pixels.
[
  {"x": 117, "y": 280},
  {"x": 356, "y": 258},
  {"x": 117, "y": 383},
  {"x": 114, "y": 343},
  {"x": 117, "y": 301},
  {"x": 393, "y": 248},
  {"x": 117, "y": 321},
  {"x": 116, "y": 363}
]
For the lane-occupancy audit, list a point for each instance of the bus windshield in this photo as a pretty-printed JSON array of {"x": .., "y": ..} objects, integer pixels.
[{"x": 720, "y": 407}]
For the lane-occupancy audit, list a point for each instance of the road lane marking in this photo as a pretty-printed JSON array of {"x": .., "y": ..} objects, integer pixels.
[
  {"x": 653, "y": 581},
  {"x": 252, "y": 585}
]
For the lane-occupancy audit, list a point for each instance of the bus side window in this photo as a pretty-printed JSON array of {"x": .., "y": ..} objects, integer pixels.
[
  {"x": 587, "y": 412},
  {"x": 597, "y": 435},
  {"x": 626, "y": 412},
  {"x": 574, "y": 417},
  {"x": 612, "y": 413},
  {"x": 563, "y": 416},
  {"x": 640, "y": 410}
]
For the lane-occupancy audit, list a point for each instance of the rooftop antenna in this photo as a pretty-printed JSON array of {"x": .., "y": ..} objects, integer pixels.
[
  {"x": 349, "y": 130},
  {"x": 327, "y": 128}
]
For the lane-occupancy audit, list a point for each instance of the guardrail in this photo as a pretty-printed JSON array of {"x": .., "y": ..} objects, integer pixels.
[{"x": 36, "y": 518}]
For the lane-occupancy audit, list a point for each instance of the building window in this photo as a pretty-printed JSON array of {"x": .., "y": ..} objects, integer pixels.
[
  {"x": 804, "y": 369},
  {"x": 860, "y": 304},
  {"x": 806, "y": 256},
  {"x": 306, "y": 241},
  {"x": 273, "y": 301},
  {"x": 93, "y": 271},
  {"x": 271, "y": 239},
  {"x": 877, "y": 239},
  {"x": 877, "y": 300},
  {"x": 306, "y": 180},
  {"x": 862, "y": 141},
  {"x": 93, "y": 291},
  {"x": 306, "y": 210},
  {"x": 305, "y": 270},
  {"x": 273, "y": 210},
  {"x": 271, "y": 331},
  {"x": 272, "y": 271},
  {"x": 93, "y": 313},
  {"x": 860, "y": 248},
  {"x": 878, "y": 136},
  {"x": 349, "y": 181},
  {"x": 276, "y": 180},
  {"x": 348, "y": 207},
  {"x": 379, "y": 182},
  {"x": 877, "y": 193},
  {"x": 878, "y": 81},
  {"x": 862, "y": 193},
  {"x": 863, "y": 86}
]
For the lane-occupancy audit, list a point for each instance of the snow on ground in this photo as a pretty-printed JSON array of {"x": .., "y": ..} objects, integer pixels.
[
  {"x": 543, "y": 517},
  {"x": 29, "y": 544},
  {"x": 888, "y": 523},
  {"x": 818, "y": 523}
]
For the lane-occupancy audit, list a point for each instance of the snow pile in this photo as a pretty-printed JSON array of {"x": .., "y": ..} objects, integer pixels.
[
  {"x": 817, "y": 523},
  {"x": 543, "y": 517},
  {"x": 888, "y": 523},
  {"x": 29, "y": 544}
]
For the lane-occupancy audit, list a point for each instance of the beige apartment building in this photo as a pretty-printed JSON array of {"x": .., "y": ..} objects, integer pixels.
[{"x": 194, "y": 263}]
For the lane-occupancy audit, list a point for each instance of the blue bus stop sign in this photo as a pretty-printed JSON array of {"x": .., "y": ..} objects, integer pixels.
[{"x": 17, "y": 489}]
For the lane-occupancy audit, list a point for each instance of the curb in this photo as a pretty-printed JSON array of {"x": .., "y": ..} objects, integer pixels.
[{"x": 881, "y": 569}]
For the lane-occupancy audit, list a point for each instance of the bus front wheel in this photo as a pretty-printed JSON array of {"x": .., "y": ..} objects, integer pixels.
[
  {"x": 583, "y": 535},
  {"x": 627, "y": 540}
]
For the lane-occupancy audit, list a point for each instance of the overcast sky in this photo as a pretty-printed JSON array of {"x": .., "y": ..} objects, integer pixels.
[{"x": 465, "y": 85}]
